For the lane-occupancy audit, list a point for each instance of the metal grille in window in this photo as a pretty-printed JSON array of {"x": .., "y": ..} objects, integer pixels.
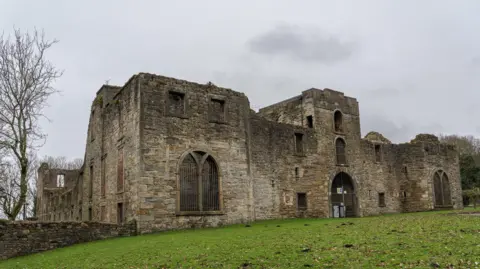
[
  {"x": 199, "y": 183},
  {"x": 189, "y": 185},
  {"x": 210, "y": 186},
  {"x": 340, "y": 151},
  {"x": 176, "y": 103},
  {"x": 217, "y": 110}
]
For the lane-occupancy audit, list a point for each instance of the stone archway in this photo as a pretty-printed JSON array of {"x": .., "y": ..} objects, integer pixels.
[{"x": 342, "y": 192}]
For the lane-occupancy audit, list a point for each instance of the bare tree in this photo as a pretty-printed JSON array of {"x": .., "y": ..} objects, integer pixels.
[
  {"x": 26, "y": 79},
  {"x": 62, "y": 162}
]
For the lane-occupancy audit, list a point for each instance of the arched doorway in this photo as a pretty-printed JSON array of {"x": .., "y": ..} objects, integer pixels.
[
  {"x": 342, "y": 192},
  {"x": 441, "y": 189}
]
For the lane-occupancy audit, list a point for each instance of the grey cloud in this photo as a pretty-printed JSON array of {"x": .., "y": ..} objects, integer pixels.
[
  {"x": 397, "y": 133},
  {"x": 303, "y": 44}
]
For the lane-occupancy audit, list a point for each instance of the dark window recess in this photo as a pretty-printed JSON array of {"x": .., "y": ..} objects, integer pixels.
[
  {"x": 120, "y": 172},
  {"x": 338, "y": 120},
  {"x": 176, "y": 103},
  {"x": 90, "y": 214},
  {"x": 103, "y": 213},
  {"x": 102, "y": 184},
  {"x": 404, "y": 194},
  {"x": 381, "y": 199},
  {"x": 302, "y": 201},
  {"x": 405, "y": 170},
  {"x": 310, "y": 121},
  {"x": 90, "y": 191},
  {"x": 340, "y": 151},
  {"x": 378, "y": 154},
  {"x": 120, "y": 214},
  {"x": 298, "y": 143},
  {"x": 297, "y": 172},
  {"x": 441, "y": 189},
  {"x": 217, "y": 110}
]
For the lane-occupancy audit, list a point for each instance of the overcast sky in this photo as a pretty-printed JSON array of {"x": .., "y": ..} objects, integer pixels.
[{"x": 414, "y": 66}]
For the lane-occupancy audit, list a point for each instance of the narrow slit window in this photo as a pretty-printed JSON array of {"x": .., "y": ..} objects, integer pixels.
[
  {"x": 378, "y": 153},
  {"x": 340, "y": 151},
  {"x": 338, "y": 121},
  {"x": 61, "y": 181},
  {"x": 90, "y": 191},
  {"x": 120, "y": 213},
  {"x": 120, "y": 171},
  {"x": 298, "y": 143}
]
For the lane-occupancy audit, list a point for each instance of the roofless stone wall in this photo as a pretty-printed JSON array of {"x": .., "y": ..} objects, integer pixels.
[{"x": 28, "y": 237}]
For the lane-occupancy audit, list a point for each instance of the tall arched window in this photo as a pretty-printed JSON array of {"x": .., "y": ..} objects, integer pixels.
[
  {"x": 338, "y": 120},
  {"x": 441, "y": 189},
  {"x": 199, "y": 183},
  {"x": 340, "y": 151}
]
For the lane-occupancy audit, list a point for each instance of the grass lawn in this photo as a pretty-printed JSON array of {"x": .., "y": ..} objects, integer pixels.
[{"x": 417, "y": 240}]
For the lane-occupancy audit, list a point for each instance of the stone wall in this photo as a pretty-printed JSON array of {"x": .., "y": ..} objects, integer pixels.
[
  {"x": 25, "y": 237},
  {"x": 168, "y": 137},
  {"x": 112, "y": 151},
  {"x": 144, "y": 130}
]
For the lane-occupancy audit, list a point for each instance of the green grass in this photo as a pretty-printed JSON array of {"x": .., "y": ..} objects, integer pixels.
[{"x": 418, "y": 240}]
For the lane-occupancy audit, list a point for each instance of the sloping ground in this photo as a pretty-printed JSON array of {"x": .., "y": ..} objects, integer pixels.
[{"x": 419, "y": 240}]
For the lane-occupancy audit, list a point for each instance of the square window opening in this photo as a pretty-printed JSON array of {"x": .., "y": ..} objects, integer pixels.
[
  {"x": 301, "y": 201},
  {"x": 176, "y": 103},
  {"x": 217, "y": 110}
]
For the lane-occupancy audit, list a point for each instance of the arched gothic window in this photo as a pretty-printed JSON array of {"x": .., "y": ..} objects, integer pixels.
[
  {"x": 441, "y": 189},
  {"x": 199, "y": 183},
  {"x": 340, "y": 151}
]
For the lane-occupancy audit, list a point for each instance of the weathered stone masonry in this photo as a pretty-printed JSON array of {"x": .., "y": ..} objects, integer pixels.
[
  {"x": 25, "y": 237},
  {"x": 174, "y": 154}
]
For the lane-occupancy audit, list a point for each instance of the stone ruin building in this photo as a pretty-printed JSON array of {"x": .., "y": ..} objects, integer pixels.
[{"x": 174, "y": 154}]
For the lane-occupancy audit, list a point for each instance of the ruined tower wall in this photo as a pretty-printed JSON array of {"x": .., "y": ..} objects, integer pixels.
[
  {"x": 112, "y": 150},
  {"x": 197, "y": 125}
]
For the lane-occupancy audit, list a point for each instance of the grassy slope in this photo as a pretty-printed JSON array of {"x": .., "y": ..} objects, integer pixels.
[{"x": 419, "y": 240}]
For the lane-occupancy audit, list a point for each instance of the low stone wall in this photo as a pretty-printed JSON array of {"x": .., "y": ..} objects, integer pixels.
[{"x": 26, "y": 237}]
